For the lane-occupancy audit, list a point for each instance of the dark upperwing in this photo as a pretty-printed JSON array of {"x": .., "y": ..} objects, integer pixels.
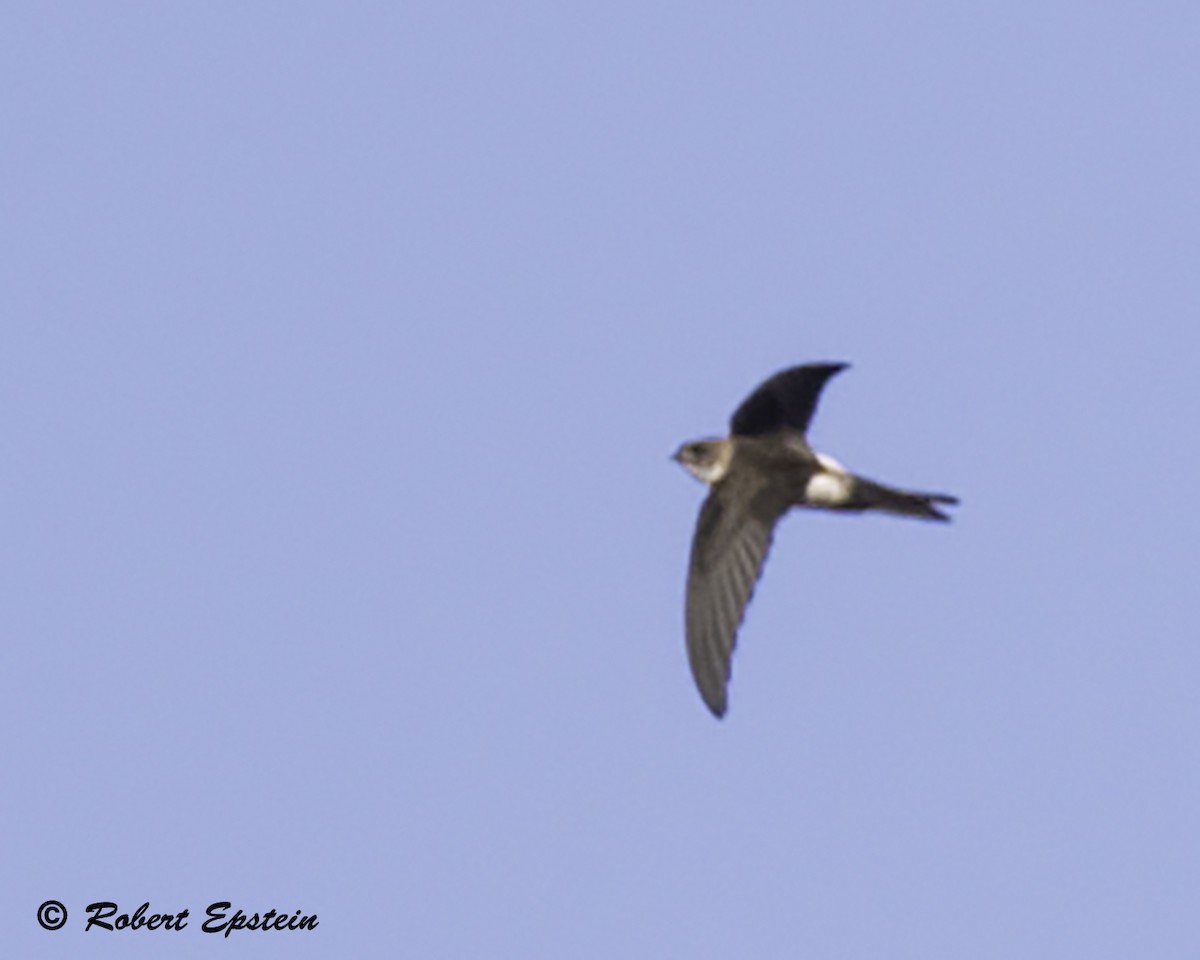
[{"x": 787, "y": 399}]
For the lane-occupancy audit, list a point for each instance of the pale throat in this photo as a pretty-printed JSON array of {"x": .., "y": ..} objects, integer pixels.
[{"x": 713, "y": 470}]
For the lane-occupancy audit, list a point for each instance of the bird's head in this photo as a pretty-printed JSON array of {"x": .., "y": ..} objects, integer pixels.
[{"x": 706, "y": 460}]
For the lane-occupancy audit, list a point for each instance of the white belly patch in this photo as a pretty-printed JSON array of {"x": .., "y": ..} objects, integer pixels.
[{"x": 829, "y": 486}]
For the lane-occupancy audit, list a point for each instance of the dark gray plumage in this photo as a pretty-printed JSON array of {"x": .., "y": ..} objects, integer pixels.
[{"x": 755, "y": 476}]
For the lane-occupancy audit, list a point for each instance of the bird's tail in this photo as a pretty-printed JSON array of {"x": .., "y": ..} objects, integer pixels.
[{"x": 869, "y": 495}]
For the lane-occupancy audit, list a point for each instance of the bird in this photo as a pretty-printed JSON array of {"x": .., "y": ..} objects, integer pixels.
[{"x": 756, "y": 475}]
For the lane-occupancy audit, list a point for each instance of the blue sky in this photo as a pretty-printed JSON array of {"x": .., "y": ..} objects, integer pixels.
[{"x": 343, "y": 349}]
